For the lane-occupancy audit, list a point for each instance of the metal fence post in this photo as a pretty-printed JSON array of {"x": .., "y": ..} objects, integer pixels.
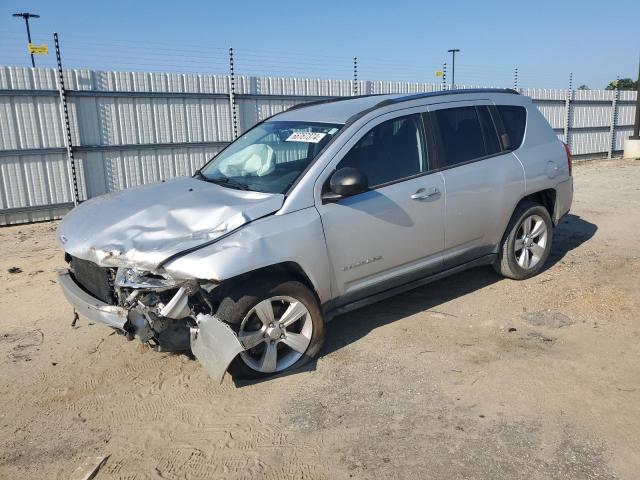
[
  {"x": 232, "y": 97},
  {"x": 64, "y": 115},
  {"x": 567, "y": 111},
  {"x": 614, "y": 119},
  {"x": 355, "y": 76},
  {"x": 444, "y": 76}
]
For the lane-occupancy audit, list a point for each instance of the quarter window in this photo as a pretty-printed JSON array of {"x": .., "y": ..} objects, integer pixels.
[
  {"x": 514, "y": 119},
  {"x": 389, "y": 152}
]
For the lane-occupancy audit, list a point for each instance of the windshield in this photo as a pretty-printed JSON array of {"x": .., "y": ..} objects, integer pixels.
[{"x": 269, "y": 157}]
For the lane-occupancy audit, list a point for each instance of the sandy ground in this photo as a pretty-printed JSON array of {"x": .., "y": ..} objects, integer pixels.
[{"x": 472, "y": 377}]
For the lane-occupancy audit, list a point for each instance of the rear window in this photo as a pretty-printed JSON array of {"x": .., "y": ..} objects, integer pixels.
[
  {"x": 514, "y": 119},
  {"x": 461, "y": 135}
]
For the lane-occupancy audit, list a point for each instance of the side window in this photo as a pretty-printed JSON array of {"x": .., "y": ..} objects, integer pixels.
[
  {"x": 390, "y": 151},
  {"x": 514, "y": 119},
  {"x": 460, "y": 134}
]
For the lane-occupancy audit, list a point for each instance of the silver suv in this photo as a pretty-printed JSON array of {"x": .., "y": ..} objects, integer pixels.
[{"x": 316, "y": 211}]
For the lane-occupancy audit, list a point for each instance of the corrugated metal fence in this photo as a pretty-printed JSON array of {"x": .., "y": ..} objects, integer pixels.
[{"x": 130, "y": 128}]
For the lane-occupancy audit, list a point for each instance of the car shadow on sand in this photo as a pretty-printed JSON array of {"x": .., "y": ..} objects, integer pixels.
[{"x": 571, "y": 232}]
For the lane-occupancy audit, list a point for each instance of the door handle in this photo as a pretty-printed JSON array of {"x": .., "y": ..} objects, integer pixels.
[{"x": 423, "y": 193}]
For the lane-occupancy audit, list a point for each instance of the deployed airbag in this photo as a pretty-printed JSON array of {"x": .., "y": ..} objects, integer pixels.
[{"x": 257, "y": 159}]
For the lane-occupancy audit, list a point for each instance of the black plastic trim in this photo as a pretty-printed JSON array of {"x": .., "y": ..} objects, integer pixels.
[{"x": 449, "y": 167}]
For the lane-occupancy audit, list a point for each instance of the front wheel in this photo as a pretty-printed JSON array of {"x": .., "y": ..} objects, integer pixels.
[
  {"x": 278, "y": 323},
  {"x": 527, "y": 243}
]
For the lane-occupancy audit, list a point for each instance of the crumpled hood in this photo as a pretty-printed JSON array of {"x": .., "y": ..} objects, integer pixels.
[{"x": 143, "y": 226}]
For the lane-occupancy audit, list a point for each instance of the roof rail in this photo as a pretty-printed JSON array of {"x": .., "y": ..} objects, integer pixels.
[
  {"x": 399, "y": 99},
  {"x": 418, "y": 96},
  {"x": 459, "y": 91},
  {"x": 325, "y": 100}
]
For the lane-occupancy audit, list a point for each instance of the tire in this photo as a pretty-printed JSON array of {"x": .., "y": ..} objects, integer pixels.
[
  {"x": 244, "y": 308},
  {"x": 513, "y": 262}
]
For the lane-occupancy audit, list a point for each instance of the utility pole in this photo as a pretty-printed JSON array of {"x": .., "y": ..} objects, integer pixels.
[
  {"x": 26, "y": 17},
  {"x": 453, "y": 66}
]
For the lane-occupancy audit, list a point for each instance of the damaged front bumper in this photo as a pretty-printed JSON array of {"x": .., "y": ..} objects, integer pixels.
[
  {"x": 211, "y": 341},
  {"x": 90, "y": 307}
]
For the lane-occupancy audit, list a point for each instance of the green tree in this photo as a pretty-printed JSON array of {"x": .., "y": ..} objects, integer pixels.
[
  {"x": 623, "y": 84},
  {"x": 584, "y": 87}
]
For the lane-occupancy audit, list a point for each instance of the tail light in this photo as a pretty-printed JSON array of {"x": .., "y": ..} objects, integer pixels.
[{"x": 569, "y": 159}]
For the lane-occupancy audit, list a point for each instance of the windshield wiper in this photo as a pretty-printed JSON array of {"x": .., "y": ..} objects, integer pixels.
[{"x": 226, "y": 181}]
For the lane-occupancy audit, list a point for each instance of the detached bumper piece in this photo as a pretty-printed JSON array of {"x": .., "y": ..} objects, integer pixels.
[
  {"x": 89, "y": 306},
  {"x": 215, "y": 345}
]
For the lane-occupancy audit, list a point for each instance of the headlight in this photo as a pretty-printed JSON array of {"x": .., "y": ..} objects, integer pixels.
[{"x": 135, "y": 278}]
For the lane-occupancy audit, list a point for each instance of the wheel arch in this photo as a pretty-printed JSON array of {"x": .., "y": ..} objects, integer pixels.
[
  {"x": 288, "y": 270},
  {"x": 546, "y": 198}
]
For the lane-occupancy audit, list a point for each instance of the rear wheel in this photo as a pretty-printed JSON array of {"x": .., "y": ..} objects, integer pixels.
[
  {"x": 527, "y": 242},
  {"x": 278, "y": 323}
]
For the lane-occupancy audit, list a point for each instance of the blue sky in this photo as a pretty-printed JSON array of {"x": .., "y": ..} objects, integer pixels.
[{"x": 399, "y": 39}]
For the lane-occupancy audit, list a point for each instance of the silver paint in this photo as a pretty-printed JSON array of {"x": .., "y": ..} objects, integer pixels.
[
  {"x": 224, "y": 233},
  {"x": 90, "y": 307},
  {"x": 142, "y": 226}
]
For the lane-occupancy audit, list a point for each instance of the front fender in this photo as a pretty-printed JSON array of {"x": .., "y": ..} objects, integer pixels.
[{"x": 294, "y": 237}]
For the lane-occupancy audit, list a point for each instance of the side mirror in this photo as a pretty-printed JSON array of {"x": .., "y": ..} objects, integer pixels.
[{"x": 346, "y": 182}]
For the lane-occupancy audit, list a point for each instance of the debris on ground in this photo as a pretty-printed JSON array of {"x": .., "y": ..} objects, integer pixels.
[
  {"x": 14, "y": 270},
  {"x": 89, "y": 468}
]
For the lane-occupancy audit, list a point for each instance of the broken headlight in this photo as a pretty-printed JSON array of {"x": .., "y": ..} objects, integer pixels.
[{"x": 127, "y": 277}]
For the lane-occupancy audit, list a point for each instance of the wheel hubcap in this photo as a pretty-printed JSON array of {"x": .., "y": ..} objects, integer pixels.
[
  {"x": 275, "y": 334},
  {"x": 531, "y": 241}
]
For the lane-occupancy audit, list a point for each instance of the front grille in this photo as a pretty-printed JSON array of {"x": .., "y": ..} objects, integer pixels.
[{"x": 94, "y": 279}]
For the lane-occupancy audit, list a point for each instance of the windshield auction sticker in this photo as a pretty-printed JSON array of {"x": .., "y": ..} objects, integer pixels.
[{"x": 309, "y": 137}]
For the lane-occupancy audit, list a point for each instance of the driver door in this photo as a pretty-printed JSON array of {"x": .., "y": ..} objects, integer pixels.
[{"x": 394, "y": 232}]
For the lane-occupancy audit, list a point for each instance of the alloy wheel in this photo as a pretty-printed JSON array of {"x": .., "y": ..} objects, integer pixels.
[
  {"x": 275, "y": 334},
  {"x": 531, "y": 241}
]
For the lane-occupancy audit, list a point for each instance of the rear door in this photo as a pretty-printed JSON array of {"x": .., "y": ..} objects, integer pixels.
[
  {"x": 482, "y": 180},
  {"x": 394, "y": 232}
]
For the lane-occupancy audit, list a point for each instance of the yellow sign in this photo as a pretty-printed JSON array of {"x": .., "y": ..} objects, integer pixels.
[
  {"x": 38, "y": 49},
  {"x": 439, "y": 73}
]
